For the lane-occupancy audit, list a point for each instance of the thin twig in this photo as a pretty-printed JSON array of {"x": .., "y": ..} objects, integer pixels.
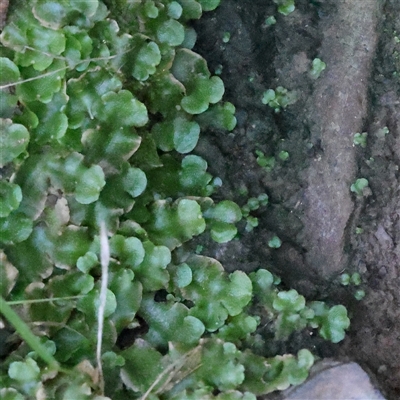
[
  {"x": 60, "y": 69},
  {"x": 105, "y": 259},
  {"x": 19, "y": 302},
  {"x": 178, "y": 365},
  {"x": 33, "y": 78},
  {"x": 26, "y": 334},
  {"x": 78, "y": 62}
]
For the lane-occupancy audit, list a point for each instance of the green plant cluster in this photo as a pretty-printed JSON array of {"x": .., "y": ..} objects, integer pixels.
[
  {"x": 285, "y": 7},
  {"x": 353, "y": 280},
  {"x": 360, "y": 187},
  {"x": 275, "y": 242},
  {"x": 97, "y": 123},
  {"x": 266, "y": 162},
  {"x": 360, "y": 139},
  {"x": 279, "y": 98},
  {"x": 269, "y": 21},
  {"x": 317, "y": 67},
  {"x": 253, "y": 204},
  {"x": 382, "y": 132},
  {"x": 290, "y": 311}
]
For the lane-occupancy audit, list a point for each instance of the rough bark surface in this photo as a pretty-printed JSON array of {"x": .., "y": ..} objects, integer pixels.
[
  {"x": 3, "y": 12},
  {"x": 337, "y": 110}
]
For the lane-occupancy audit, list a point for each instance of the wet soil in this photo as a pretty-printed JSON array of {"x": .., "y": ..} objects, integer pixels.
[{"x": 325, "y": 228}]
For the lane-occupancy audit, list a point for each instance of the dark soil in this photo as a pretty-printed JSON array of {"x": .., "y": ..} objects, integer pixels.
[{"x": 311, "y": 206}]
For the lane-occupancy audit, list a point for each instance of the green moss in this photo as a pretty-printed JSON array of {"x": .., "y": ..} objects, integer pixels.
[
  {"x": 98, "y": 122},
  {"x": 14, "y": 139}
]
